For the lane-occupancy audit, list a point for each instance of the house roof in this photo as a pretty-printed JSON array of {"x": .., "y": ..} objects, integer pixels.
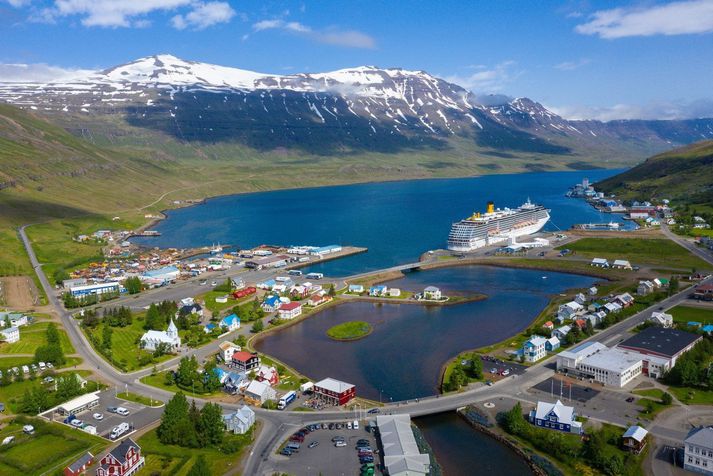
[
  {"x": 120, "y": 451},
  {"x": 86, "y": 458},
  {"x": 290, "y": 306},
  {"x": 565, "y": 414},
  {"x": 227, "y": 320},
  {"x": 257, "y": 388},
  {"x": 243, "y": 356},
  {"x": 702, "y": 436},
  {"x": 401, "y": 453},
  {"x": 334, "y": 385},
  {"x": 636, "y": 432},
  {"x": 536, "y": 341},
  {"x": 272, "y": 300},
  {"x": 226, "y": 344},
  {"x": 660, "y": 340}
]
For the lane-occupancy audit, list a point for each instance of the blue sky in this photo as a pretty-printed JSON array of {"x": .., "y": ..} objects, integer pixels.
[{"x": 581, "y": 58}]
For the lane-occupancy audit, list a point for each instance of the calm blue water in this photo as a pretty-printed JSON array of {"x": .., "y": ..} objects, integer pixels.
[
  {"x": 397, "y": 221},
  {"x": 402, "y": 358}
]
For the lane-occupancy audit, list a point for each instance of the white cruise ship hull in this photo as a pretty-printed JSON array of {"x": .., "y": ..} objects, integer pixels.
[{"x": 502, "y": 237}]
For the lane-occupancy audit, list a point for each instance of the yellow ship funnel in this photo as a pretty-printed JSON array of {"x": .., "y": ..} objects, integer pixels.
[{"x": 491, "y": 207}]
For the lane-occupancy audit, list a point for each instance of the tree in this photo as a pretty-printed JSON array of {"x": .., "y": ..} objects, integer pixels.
[
  {"x": 133, "y": 285},
  {"x": 673, "y": 286},
  {"x": 241, "y": 340},
  {"x": 60, "y": 275},
  {"x": 106, "y": 336},
  {"x": 200, "y": 468},
  {"x": 476, "y": 367},
  {"x": 170, "y": 379},
  {"x": 187, "y": 374},
  {"x": 161, "y": 349},
  {"x": 5, "y": 379},
  {"x": 512, "y": 420},
  {"x": 212, "y": 425},
  {"x": 258, "y": 326},
  {"x": 210, "y": 378},
  {"x": 68, "y": 386},
  {"x": 52, "y": 334},
  {"x": 666, "y": 398},
  {"x": 332, "y": 292},
  {"x": 174, "y": 420},
  {"x": 153, "y": 318}
]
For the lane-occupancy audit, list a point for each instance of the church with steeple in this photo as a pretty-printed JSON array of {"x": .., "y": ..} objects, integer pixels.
[{"x": 151, "y": 339}]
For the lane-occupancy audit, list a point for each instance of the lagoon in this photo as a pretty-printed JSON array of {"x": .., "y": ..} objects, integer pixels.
[
  {"x": 402, "y": 357},
  {"x": 397, "y": 221}
]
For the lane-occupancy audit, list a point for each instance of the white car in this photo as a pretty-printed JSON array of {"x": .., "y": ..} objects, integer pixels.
[
  {"x": 98, "y": 416},
  {"x": 49, "y": 365},
  {"x": 122, "y": 411},
  {"x": 76, "y": 422},
  {"x": 340, "y": 444},
  {"x": 349, "y": 425},
  {"x": 355, "y": 425}
]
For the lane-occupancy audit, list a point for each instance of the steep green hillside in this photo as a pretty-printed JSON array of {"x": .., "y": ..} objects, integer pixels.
[{"x": 684, "y": 175}]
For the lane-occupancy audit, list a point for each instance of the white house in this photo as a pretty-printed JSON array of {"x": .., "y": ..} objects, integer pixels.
[
  {"x": 625, "y": 299},
  {"x": 394, "y": 292},
  {"x": 534, "y": 348},
  {"x": 698, "y": 450},
  {"x": 432, "y": 292},
  {"x": 552, "y": 344},
  {"x": 569, "y": 311},
  {"x": 600, "y": 263},
  {"x": 151, "y": 339},
  {"x": 561, "y": 332},
  {"x": 661, "y": 319},
  {"x": 289, "y": 310},
  {"x": 580, "y": 299},
  {"x": 556, "y": 416},
  {"x": 593, "y": 291},
  {"x": 644, "y": 288},
  {"x": 621, "y": 264},
  {"x": 259, "y": 392},
  {"x": 612, "y": 307},
  {"x": 230, "y": 323},
  {"x": 356, "y": 288},
  {"x": 227, "y": 349},
  {"x": 240, "y": 422},
  {"x": 10, "y": 334}
]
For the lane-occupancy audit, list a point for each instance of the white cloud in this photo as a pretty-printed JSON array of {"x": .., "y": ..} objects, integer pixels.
[
  {"x": 39, "y": 72},
  {"x": 18, "y": 3},
  {"x": 572, "y": 65},
  {"x": 204, "y": 15},
  {"x": 330, "y": 36},
  {"x": 676, "y": 18},
  {"x": 486, "y": 80},
  {"x": 654, "y": 110}
]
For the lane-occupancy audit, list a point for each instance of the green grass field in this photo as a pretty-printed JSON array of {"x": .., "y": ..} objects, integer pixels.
[
  {"x": 132, "y": 397},
  {"x": 159, "y": 381},
  {"x": 33, "y": 336},
  {"x": 684, "y": 314},
  {"x": 50, "y": 449},
  {"x": 12, "y": 394},
  {"x": 692, "y": 396},
  {"x": 7, "y": 362},
  {"x": 638, "y": 251},
  {"x": 351, "y": 330},
  {"x": 653, "y": 393},
  {"x": 177, "y": 461}
]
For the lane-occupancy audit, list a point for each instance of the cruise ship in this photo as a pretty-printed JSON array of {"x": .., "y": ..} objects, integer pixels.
[{"x": 497, "y": 226}]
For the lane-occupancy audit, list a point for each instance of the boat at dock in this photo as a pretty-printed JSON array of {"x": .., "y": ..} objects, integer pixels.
[
  {"x": 611, "y": 226},
  {"x": 497, "y": 226}
]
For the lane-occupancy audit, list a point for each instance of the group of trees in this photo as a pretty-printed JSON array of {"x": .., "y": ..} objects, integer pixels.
[
  {"x": 133, "y": 285},
  {"x": 118, "y": 317},
  {"x": 190, "y": 377},
  {"x": 185, "y": 425},
  {"x": 38, "y": 398},
  {"x": 72, "y": 302},
  {"x": 250, "y": 312},
  {"x": 159, "y": 315},
  {"x": 693, "y": 369},
  {"x": 51, "y": 351},
  {"x": 462, "y": 374}
]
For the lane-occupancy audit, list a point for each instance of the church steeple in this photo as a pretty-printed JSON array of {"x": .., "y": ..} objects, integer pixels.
[{"x": 172, "y": 331}]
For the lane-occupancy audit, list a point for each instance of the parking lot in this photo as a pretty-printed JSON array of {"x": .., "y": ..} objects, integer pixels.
[
  {"x": 139, "y": 415},
  {"x": 325, "y": 458}
]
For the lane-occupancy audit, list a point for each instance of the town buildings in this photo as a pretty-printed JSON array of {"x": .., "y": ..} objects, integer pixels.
[
  {"x": 10, "y": 334},
  {"x": 555, "y": 416},
  {"x": 244, "y": 361},
  {"x": 227, "y": 349},
  {"x": 660, "y": 348},
  {"x": 661, "y": 319},
  {"x": 259, "y": 392},
  {"x": 432, "y": 293},
  {"x": 152, "y": 338},
  {"x": 401, "y": 454},
  {"x": 289, "y": 310},
  {"x": 534, "y": 348},
  {"x": 240, "y": 421},
  {"x": 79, "y": 466},
  {"x": 97, "y": 289},
  {"x": 230, "y": 323},
  {"x": 698, "y": 450},
  {"x": 334, "y": 392},
  {"x": 634, "y": 439}
]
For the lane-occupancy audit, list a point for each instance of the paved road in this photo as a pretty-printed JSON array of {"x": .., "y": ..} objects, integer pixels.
[{"x": 277, "y": 425}]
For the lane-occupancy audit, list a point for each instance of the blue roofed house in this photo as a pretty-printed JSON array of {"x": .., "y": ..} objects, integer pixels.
[
  {"x": 556, "y": 416},
  {"x": 534, "y": 348},
  {"x": 552, "y": 344},
  {"x": 708, "y": 328},
  {"x": 221, "y": 374},
  {"x": 209, "y": 327},
  {"x": 230, "y": 323},
  {"x": 271, "y": 303},
  {"x": 378, "y": 290},
  {"x": 694, "y": 324},
  {"x": 240, "y": 421},
  {"x": 234, "y": 381}
]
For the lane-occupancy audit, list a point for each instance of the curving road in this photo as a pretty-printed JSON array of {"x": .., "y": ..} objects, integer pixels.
[{"x": 277, "y": 425}]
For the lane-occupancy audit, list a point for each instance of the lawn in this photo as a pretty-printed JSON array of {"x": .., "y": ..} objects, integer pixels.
[
  {"x": 653, "y": 393},
  {"x": 12, "y": 394},
  {"x": 14, "y": 361},
  {"x": 685, "y": 314},
  {"x": 124, "y": 345},
  {"x": 51, "y": 448},
  {"x": 212, "y": 306},
  {"x": 33, "y": 336},
  {"x": 132, "y": 397},
  {"x": 651, "y": 408},
  {"x": 289, "y": 380},
  {"x": 351, "y": 330},
  {"x": 638, "y": 251},
  {"x": 692, "y": 396},
  {"x": 159, "y": 381},
  {"x": 176, "y": 460}
]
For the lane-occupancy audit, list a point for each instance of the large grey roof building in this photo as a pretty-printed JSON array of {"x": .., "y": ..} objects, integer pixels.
[{"x": 401, "y": 454}]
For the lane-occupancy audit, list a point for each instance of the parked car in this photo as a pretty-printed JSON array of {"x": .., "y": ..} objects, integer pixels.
[
  {"x": 373, "y": 411},
  {"x": 111, "y": 409},
  {"x": 349, "y": 425},
  {"x": 337, "y": 438},
  {"x": 98, "y": 416},
  {"x": 630, "y": 399},
  {"x": 122, "y": 411},
  {"x": 76, "y": 423},
  {"x": 286, "y": 452},
  {"x": 340, "y": 444},
  {"x": 355, "y": 425},
  {"x": 313, "y": 444},
  {"x": 49, "y": 365}
]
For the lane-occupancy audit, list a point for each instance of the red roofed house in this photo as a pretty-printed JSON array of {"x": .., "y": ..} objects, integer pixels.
[
  {"x": 315, "y": 299},
  {"x": 334, "y": 392},
  {"x": 245, "y": 361},
  {"x": 124, "y": 460},
  {"x": 290, "y": 310},
  {"x": 581, "y": 323},
  {"x": 79, "y": 466},
  {"x": 268, "y": 375},
  {"x": 704, "y": 292},
  {"x": 548, "y": 325}
]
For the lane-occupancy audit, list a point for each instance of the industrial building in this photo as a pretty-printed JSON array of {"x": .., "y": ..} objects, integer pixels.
[
  {"x": 660, "y": 348},
  {"x": 94, "y": 289},
  {"x": 334, "y": 392},
  {"x": 611, "y": 367},
  {"x": 401, "y": 454}
]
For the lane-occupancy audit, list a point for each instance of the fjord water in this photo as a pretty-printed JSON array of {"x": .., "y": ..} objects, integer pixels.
[
  {"x": 401, "y": 359},
  {"x": 462, "y": 451},
  {"x": 397, "y": 221}
]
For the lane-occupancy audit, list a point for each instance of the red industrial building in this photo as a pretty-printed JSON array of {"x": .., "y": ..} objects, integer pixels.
[{"x": 334, "y": 392}]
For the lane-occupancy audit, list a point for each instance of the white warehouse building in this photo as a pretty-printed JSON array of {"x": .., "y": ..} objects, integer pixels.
[{"x": 611, "y": 367}]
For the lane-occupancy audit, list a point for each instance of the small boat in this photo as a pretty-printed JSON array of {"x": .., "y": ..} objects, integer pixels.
[{"x": 216, "y": 249}]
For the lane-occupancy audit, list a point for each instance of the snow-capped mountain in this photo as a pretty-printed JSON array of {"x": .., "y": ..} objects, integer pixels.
[{"x": 363, "y": 107}]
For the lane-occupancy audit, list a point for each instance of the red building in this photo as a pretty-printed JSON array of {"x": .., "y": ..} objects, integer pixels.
[
  {"x": 334, "y": 392},
  {"x": 241, "y": 293},
  {"x": 124, "y": 460},
  {"x": 245, "y": 361},
  {"x": 79, "y": 466},
  {"x": 704, "y": 292}
]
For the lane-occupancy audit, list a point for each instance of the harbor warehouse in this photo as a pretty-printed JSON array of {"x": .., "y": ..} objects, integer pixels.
[
  {"x": 334, "y": 392},
  {"x": 401, "y": 454},
  {"x": 79, "y": 404},
  {"x": 94, "y": 289}
]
